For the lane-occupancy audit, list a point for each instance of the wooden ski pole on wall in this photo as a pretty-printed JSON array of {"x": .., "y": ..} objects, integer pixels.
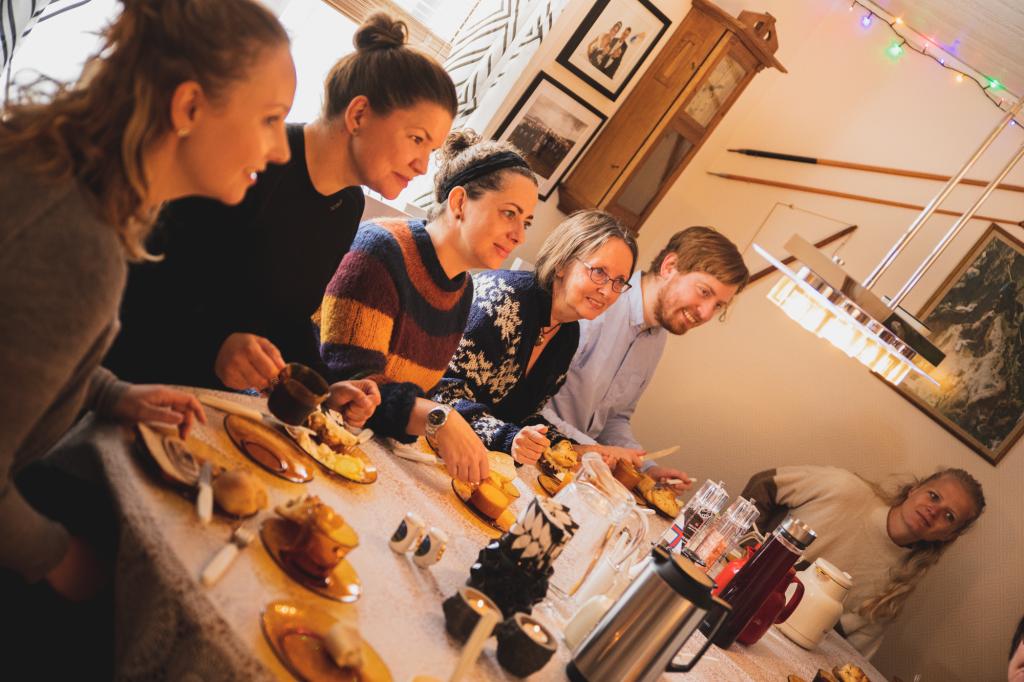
[
  {"x": 869, "y": 168},
  {"x": 855, "y": 197}
]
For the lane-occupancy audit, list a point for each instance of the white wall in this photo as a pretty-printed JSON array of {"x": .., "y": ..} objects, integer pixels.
[{"x": 757, "y": 391}]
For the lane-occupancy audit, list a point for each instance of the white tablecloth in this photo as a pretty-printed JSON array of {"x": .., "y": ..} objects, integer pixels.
[{"x": 171, "y": 627}]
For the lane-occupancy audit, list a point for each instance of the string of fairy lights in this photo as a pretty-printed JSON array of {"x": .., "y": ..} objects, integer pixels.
[{"x": 909, "y": 39}]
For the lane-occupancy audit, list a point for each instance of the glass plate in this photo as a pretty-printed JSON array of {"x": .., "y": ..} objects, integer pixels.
[
  {"x": 486, "y": 523},
  {"x": 369, "y": 472},
  {"x": 295, "y": 631},
  {"x": 341, "y": 585},
  {"x": 272, "y": 450}
]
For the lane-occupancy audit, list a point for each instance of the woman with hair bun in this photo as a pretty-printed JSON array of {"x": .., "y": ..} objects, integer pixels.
[
  {"x": 886, "y": 540},
  {"x": 185, "y": 97},
  {"x": 239, "y": 283},
  {"x": 395, "y": 310}
]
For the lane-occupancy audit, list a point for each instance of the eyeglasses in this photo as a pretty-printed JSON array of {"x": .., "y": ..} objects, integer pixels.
[{"x": 600, "y": 276}]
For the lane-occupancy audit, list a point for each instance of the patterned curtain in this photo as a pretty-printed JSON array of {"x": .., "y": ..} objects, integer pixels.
[
  {"x": 489, "y": 53},
  {"x": 493, "y": 47},
  {"x": 16, "y": 20}
]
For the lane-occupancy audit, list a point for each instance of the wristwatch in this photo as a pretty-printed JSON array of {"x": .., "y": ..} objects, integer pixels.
[{"x": 436, "y": 418}]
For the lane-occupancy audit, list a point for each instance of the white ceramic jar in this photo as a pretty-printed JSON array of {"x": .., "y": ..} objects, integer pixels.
[{"x": 825, "y": 589}]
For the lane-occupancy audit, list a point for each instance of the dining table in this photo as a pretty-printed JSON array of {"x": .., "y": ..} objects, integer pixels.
[{"x": 170, "y": 626}]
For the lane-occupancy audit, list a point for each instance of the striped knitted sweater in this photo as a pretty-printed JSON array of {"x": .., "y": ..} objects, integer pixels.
[
  {"x": 391, "y": 314},
  {"x": 486, "y": 380}
]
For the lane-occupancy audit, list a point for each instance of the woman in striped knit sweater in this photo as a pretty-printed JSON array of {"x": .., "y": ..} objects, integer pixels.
[{"x": 397, "y": 306}]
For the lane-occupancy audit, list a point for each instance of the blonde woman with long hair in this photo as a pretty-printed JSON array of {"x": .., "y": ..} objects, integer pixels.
[
  {"x": 259, "y": 269},
  {"x": 185, "y": 97},
  {"x": 886, "y": 540}
]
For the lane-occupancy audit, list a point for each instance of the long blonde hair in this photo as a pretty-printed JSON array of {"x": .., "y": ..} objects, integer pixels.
[
  {"x": 904, "y": 578},
  {"x": 96, "y": 132}
]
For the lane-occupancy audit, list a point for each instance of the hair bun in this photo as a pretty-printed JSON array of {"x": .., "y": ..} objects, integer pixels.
[
  {"x": 381, "y": 32},
  {"x": 457, "y": 142}
]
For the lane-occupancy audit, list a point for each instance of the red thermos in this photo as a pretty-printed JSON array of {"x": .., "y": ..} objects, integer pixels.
[
  {"x": 760, "y": 576},
  {"x": 773, "y": 610}
]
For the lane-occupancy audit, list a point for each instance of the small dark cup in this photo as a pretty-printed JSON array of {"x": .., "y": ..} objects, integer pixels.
[
  {"x": 460, "y": 616},
  {"x": 524, "y": 645},
  {"x": 297, "y": 391}
]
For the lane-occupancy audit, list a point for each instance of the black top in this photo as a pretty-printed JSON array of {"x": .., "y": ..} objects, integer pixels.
[
  {"x": 486, "y": 380},
  {"x": 259, "y": 267}
]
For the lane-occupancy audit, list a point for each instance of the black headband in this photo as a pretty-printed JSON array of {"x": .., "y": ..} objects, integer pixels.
[{"x": 497, "y": 162}]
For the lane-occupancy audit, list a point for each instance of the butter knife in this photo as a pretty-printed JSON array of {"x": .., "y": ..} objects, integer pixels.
[{"x": 204, "y": 500}]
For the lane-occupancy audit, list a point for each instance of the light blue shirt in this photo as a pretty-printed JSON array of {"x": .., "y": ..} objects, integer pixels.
[{"x": 614, "y": 363}]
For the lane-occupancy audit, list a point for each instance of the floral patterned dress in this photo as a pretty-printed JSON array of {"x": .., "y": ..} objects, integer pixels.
[{"x": 486, "y": 380}]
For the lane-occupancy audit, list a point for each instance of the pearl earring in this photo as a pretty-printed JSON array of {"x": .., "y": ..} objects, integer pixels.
[{"x": 183, "y": 132}]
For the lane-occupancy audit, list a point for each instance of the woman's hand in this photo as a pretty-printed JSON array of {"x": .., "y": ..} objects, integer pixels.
[
  {"x": 460, "y": 448},
  {"x": 356, "y": 400},
  {"x": 247, "y": 361},
  {"x": 530, "y": 443},
  {"x": 663, "y": 474},
  {"x": 80, "y": 574},
  {"x": 154, "y": 403}
]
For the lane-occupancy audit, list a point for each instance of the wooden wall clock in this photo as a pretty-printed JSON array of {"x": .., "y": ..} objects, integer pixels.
[{"x": 705, "y": 65}]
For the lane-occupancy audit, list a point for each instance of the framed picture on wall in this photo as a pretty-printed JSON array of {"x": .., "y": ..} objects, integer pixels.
[
  {"x": 612, "y": 42},
  {"x": 551, "y": 126},
  {"x": 977, "y": 319}
]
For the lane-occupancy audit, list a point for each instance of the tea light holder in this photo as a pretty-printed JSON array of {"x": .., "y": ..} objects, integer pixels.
[
  {"x": 524, "y": 645},
  {"x": 463, "y": 609}
]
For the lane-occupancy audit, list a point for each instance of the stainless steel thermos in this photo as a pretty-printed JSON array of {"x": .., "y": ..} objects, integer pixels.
[{"x": 638, "y": 638}]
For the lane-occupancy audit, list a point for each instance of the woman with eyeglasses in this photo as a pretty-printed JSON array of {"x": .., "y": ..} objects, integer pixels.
[{"x": 523, "y": 331}]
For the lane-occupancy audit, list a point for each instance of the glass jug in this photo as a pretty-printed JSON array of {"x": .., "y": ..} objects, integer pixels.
[{"x": 611, "y": 528}]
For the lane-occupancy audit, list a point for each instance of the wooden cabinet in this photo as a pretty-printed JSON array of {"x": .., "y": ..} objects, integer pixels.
[{"x": 700, "y": 72}]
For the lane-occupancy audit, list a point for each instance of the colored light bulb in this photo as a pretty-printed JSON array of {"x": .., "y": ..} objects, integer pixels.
[
  {"x": 865, "y": 20},
  {"x": 895, "y": 50}
]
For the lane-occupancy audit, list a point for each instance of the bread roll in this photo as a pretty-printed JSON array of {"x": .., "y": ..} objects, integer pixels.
[{"x": 240, "y": 493}]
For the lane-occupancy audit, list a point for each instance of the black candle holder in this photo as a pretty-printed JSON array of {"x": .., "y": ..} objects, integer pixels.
[
  {"x": 514, "y": 569},
  {"x": 462, "y": 611},
  {"x": 513, "y": 588},
  {"x": 524, "y": 645}
]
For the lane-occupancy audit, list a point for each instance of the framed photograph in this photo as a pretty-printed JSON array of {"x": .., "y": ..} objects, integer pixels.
[
  {"x": 977, "y": 319},
  {"x": 551, "y": 126},
  {"x": 612, "y": 42}
]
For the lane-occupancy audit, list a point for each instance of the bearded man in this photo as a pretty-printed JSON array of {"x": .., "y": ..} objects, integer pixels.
[{"x": 690, "y": 282}]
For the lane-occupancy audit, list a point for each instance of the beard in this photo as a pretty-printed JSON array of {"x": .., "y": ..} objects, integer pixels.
[{"x": 678, "y": 328}]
